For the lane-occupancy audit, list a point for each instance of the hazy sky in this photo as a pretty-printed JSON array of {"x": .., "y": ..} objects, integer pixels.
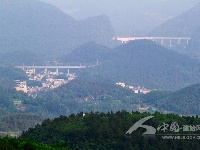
[{"x": 134, "y": 17}]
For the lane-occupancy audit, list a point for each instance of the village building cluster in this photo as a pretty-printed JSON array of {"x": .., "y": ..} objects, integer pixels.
[
  {"x": 44, "y": 80},
  {"x": 134, "y": 89}
]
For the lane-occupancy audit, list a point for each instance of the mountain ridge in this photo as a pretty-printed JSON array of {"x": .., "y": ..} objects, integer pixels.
[
  {"x": 44, "y": 29},
  {"x": 183, "y": 25},
  {"x": 144, "y": 63}
]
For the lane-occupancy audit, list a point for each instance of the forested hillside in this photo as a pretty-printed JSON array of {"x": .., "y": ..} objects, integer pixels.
[
  {"x": 86, "y": 96},
  {"x": 7, "y": 92},
  {"x": 185, "y": 101},
  {"x": 143, "y": 63},
  {"x": 108, "y": 131},
  {"x": 19, "y": 122},
  {"x": 9, "y": 74}
]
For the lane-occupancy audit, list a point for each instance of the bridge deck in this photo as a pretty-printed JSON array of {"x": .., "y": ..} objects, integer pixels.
[
  {"x": 150, "y": 38},
  {"x": 51, "y": 67},
  {"x": 161, "y": 39}
]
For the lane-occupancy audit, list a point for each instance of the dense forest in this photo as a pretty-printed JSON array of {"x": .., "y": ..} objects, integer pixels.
[
  {"x": 7, "y": 92},
  {"x": 9, "y": 74},
  {"x": 85, "y": 96},
  {"x": 107, "y": 131},
  {"x": 185, "y": 101},
  {"x": 144, "y": 63},
  {"x": 7, "y": 143},
  {"x": 18, "y": 122}
]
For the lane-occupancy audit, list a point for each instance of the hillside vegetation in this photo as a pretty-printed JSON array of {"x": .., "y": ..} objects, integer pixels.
[
  {"x": 107, "y": 131},
  {"x": 185, "y": 101},
  {"x": 143, "y": 63}
]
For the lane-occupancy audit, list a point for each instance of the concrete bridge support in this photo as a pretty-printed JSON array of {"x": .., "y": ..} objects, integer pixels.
[
  {"x": 57, "y": 72},
  {"x": 34, "y": 71},
  {"x": 68, "y": 71}
]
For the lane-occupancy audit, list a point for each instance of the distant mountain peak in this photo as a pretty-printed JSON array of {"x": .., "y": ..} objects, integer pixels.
[
  {"x": 44, "y": 29},
  {"x": 183, "y": 25},
  {"x": 86, "y": 53}
]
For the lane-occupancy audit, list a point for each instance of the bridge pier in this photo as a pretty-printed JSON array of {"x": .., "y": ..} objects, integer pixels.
[
  {"x": 162, "y": 41},
  {"x": 34, "y": 71},
  {"x": 23, "y": 67},
  {"x": 57, "y": 71},
  {"x": 68, "y": 71}
]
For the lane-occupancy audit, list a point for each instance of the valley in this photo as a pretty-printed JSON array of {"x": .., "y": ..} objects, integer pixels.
[{"x": 69, "y": 79}]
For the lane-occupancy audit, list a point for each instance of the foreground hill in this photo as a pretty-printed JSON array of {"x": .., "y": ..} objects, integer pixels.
[
  {"x": 143, "y": 63},
  {"x": 35, "y": 26},
  {"x": 107, "y": 131}
]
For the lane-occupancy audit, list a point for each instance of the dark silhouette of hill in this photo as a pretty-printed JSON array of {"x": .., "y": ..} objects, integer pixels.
[
  {"x": 185, "y": 24},
  {"x": 87, "y": 53},
  {"x": 32, "y": 25},
  {"x": 97, "y": 29},
  {"x": 147, "y": 64}
]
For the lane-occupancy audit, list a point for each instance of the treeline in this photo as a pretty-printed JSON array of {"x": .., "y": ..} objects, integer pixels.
[
  {"x": 85, "y": 96},
  {"x": 7, "y": 143},
  {"x": 108, "y": 131}
]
